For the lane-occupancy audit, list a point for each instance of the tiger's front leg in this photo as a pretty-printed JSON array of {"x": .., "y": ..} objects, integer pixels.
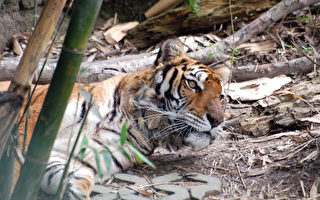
[{"x": 79, "y": 181}]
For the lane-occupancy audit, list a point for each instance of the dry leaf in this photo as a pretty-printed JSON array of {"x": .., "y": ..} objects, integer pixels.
[
  {"x": 314, "y": 189},
  {"x": 313, "y": 119},
  {"x": 256, "y": 89},
  {"x": 17, "y": 47},
  {"x": 108, "y": 24},
  {"x": 261, "y": 47},
  {"x": 118, "y": 32},
  {"x": 20, "y": 41}
]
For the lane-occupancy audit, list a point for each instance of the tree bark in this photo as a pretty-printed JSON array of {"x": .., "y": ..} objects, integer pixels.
[
  {"x": 102, "y": 70},
  {"x": 299, "y": 65},
  {"x": 284, "y": 110},
  {"x": 261, "y": 24},
  {"x": 182, "y": 20}
]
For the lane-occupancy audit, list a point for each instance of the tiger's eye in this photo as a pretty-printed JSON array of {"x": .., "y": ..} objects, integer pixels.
[{"x": 192, "y": 84}]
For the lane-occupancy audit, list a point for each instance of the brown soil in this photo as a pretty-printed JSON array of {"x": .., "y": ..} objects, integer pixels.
[{"x": 249, "y": 168}]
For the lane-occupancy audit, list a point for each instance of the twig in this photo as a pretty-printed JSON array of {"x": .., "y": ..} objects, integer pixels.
[
  {"x": 242, "y": 181},
  {"x": 302, "y": 188}
]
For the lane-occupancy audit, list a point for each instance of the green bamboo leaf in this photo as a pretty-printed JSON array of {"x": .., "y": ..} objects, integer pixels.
[
  {"x": 100, "y": 174},
  {"x": 125, "y": 154},
  {"x": 123, "y": 135},
  {"x": 84, "y": 146},
  {"x": 107, "y": 158},
  {"x": 82, "y": 152},
  {"x": 88, "y": 99},
  {"x": 140, "y": 157}
]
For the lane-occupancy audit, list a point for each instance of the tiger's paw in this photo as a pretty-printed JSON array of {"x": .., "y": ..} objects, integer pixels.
[{"x": 79, "y": 185}]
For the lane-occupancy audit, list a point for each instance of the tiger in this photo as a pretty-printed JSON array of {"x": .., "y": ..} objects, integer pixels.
[{"x": 177, "y": 102}]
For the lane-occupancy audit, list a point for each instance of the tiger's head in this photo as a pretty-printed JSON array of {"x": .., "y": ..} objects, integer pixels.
[{"x": 191, "y": 96}]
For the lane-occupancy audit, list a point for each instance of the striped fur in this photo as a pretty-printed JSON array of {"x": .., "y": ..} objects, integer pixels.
[{"x": 177, "y": 102}]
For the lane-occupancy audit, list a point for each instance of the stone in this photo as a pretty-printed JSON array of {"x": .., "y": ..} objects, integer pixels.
[
  {"x": 100, "y": 189},
  {"x": 212, "y": 186},
  {"x": 108, "y": 196},
  {"x": 173, "y": 177},
  {"x": 136, "y": 180},
  {"x": 176, "y": 192}
]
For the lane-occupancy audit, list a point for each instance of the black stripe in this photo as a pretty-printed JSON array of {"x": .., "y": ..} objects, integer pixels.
[
  {"x": 205, "y": 71},
  {"x": 54, "y": 173},
  {"x": 111, "y": 130},
  {"x": 184, "y": 67},
  {"x": 53, "y": 165},
  {"x": 68, "y": 190},
  {"x": 179, "y": 88},
  {"x": 116, "y": 101},
  {"x": 136, "y": 142},
  {"x": 165, "y": 71},
  {"x": 113, "y": 158},
  {"x": 88, "y": 165},
  {"x": 164, "y": 74},
  {"x": 168, "y": 93},
  {"x": 83, "y": 110}
]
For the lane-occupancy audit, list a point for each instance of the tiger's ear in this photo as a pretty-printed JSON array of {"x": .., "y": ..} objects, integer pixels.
[
  {"x": 224, "y": 73},
  {"x": 170, "y": 50}
]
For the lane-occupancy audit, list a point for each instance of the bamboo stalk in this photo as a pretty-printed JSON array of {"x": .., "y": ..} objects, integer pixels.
[
  {"x": 50, "y": 117},
  {"x": 160, "y": 7}
]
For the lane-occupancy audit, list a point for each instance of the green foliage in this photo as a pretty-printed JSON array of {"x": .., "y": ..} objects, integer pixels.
[
  {"x": 107, "y": 158},
  {"x": 289, "y": 46},
  {"x": 84, "y": 145},
  {"x": 233, "y": 51},
  {"x": 303, "y": 49},
  {"x": 306, "y": 20},
  {"x": 106, "y": 154},
  {"x": 140, "y": 157},
  {"x": 218, "y": 49},
  {"x": 193, "y": 5},
  {"x": 123, "y": 135},
  {"x": 307, "y": 50},
  {"x": 293, "y": 73}
]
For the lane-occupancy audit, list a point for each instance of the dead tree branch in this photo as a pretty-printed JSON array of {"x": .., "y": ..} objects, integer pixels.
[
  {"x": 101, "y": 70},
  {"x": 299, "y": 65},
  {"x": 261, "y": 24}
]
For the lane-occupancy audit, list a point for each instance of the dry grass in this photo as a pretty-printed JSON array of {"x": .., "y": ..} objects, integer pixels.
[{"x": 279, "y": 166}]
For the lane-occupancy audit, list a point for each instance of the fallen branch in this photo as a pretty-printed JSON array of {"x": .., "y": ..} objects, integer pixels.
[
  {"x": 91, "y": 71},
  {"x": 299, "y": 65},
  {"x": 101, "y": 70},
  {"x": 182, "y": 20},
  {"x": 261, "y": 24}
]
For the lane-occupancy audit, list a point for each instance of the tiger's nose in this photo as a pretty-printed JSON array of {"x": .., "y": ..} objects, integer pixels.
[
  {"x": 215, "y": 113},
  {"x": 214, "y": 121}
]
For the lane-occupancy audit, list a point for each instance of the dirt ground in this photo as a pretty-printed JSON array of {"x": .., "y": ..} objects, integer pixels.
[{"x": 270, "y": 167}]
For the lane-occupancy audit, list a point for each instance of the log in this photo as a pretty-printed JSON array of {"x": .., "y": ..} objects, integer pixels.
[
  {"x": 299, "y": 65},
  {"x": 101, "y": 70},
  {"x": 296, "y": 106},
  {"x": 91, "y": 71},
  {"x": 182, "y": 20},
  {"x": 259, "y": 25}
]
